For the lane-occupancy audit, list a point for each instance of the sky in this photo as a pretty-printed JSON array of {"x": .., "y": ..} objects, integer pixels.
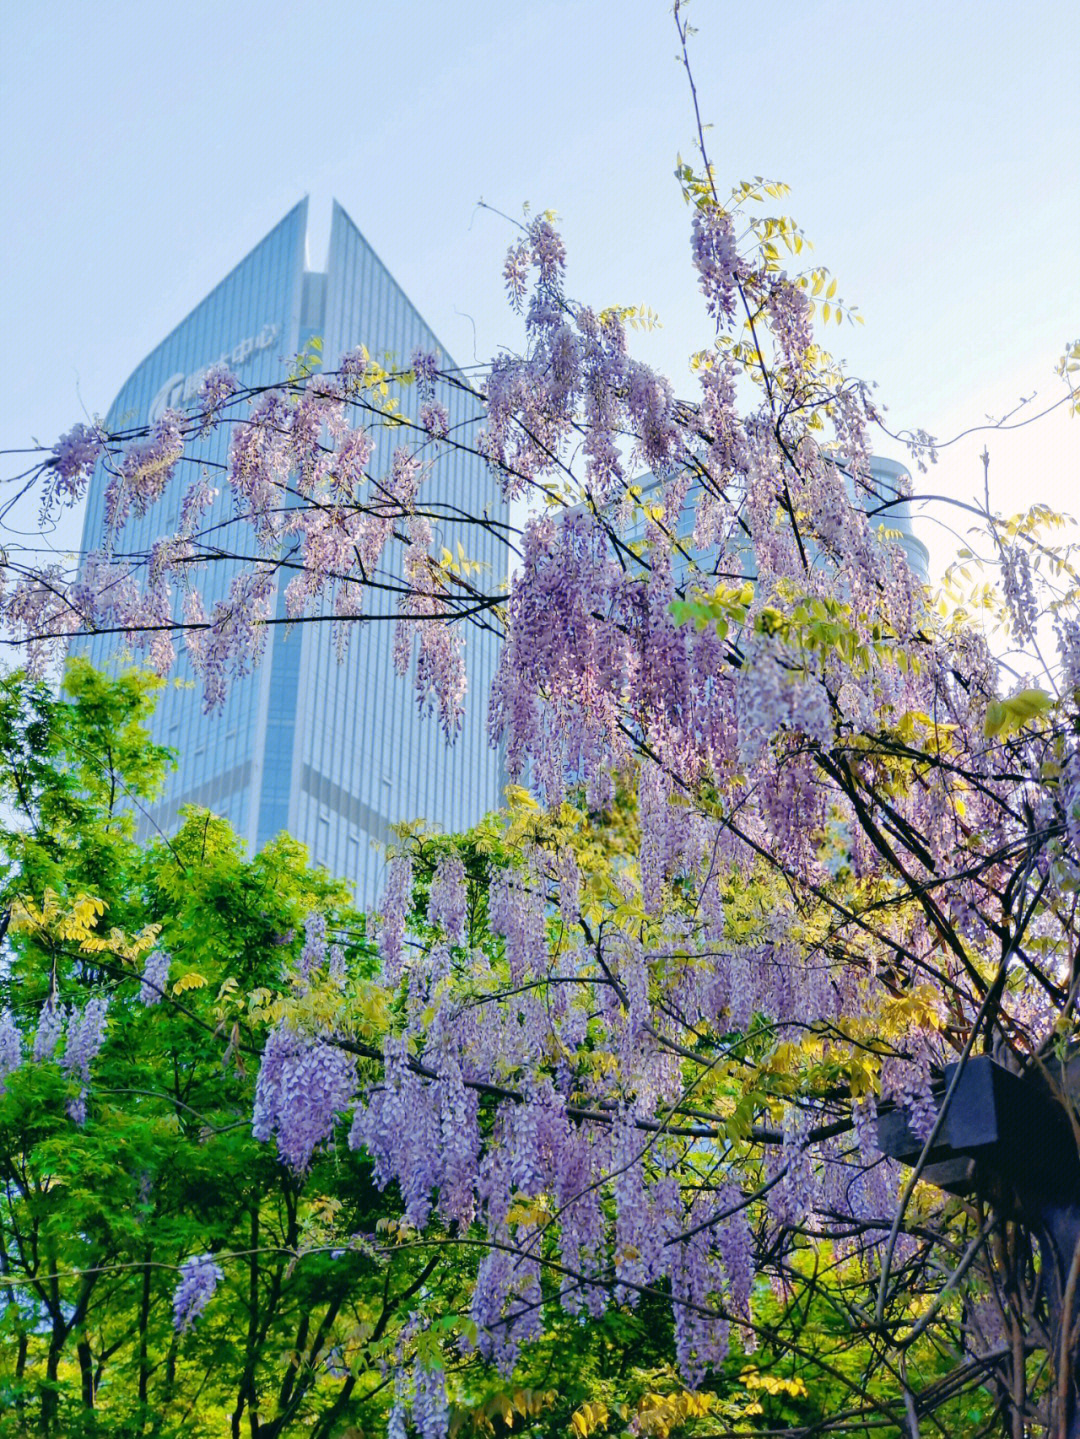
[{"x": 930, "y": 149}]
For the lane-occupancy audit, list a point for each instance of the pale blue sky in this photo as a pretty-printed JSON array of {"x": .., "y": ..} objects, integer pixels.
[{"x": 930, "y": 147}]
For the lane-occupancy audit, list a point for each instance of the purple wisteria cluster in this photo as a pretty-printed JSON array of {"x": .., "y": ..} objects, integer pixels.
[
  {"x": 199, "y": 1278},
  {"x": 810, "y": 831},
  {"x": 441, "y": 679},
  {"x": 394, "y": 912},
  {"x": 716, "y": 259},
  {"x": 563, "y": 1142},
  {"x": 448, "y": 898},
  {"x": 423, "y": 1134},
  {"x": 1019, "y": 589},
  {"x": 304, "y": 1087},
  {"x": 85, "y": 1036},
  {"x": 82, "y": 1033},
  {"x": 10, "y": 1047},
  {"x": 144, "y": 472},
  {"x": 75, "y": 455},
  {"x": 155, "y": 977},
  {"x": 283, "y": 443},
  {"x": 50, "y": 1028},
  {"x": 218, "y": 386},
  {"x": 313, "y": 954}
]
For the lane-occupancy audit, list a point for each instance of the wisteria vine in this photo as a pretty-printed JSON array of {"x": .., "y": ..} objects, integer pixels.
[{"x": 794, "y": 841}]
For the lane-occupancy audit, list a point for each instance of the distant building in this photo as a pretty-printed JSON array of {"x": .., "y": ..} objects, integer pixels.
[
  {"x": 891, "y": 479},
  {"x": 335, "y": 754}
]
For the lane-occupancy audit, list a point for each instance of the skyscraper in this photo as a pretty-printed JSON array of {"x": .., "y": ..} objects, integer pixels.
[
  {"x": 889, "y": 510},
  {"x": 334, "y": 753}
]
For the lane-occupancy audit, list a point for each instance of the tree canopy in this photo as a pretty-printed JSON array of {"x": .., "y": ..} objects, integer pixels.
[
  {"x": 164, "y": 1270},
  {"x": 790, "y": 847}
]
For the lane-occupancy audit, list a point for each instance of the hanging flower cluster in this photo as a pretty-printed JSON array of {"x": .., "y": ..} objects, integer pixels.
[{"x": 834, "y": 848}]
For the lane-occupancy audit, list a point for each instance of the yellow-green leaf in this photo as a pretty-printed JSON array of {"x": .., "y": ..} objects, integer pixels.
[{"x": 191, "y": 980}]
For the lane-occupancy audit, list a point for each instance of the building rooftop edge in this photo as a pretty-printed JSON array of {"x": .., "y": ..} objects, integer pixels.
[{"x": 301, "y": 207}]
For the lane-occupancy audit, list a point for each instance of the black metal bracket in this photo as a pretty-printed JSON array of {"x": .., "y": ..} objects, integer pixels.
[
  {"x": 1011, "y": 1140},
  {"x": 999, "y": 1133}
]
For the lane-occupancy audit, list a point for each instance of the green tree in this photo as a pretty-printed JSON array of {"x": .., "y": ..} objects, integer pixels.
[
  {"x": 107, "y": 1192},
  {"x": 107, "y": 1187}
]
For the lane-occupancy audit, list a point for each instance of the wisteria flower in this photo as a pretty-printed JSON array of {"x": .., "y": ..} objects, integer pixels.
[{"x": 199, "y": 1278}]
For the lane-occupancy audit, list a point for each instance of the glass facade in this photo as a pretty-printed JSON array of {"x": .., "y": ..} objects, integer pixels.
[
  {"x": 891, "y": 480},
  {"x": 335, "y": 753}
]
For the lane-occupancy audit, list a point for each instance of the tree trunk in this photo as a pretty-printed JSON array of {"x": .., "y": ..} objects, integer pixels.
[
  {"x": 86, "y": 1370},
  {"x": 144, "y": 1322},
  {"x": 50, "y": 1392}
]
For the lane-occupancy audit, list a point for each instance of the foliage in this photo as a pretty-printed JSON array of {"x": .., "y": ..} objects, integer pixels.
[
  {"x": 793, "y": 843},
  {"x": 98, "y": 1215},
  {"x": 164, "y": 1272}
]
